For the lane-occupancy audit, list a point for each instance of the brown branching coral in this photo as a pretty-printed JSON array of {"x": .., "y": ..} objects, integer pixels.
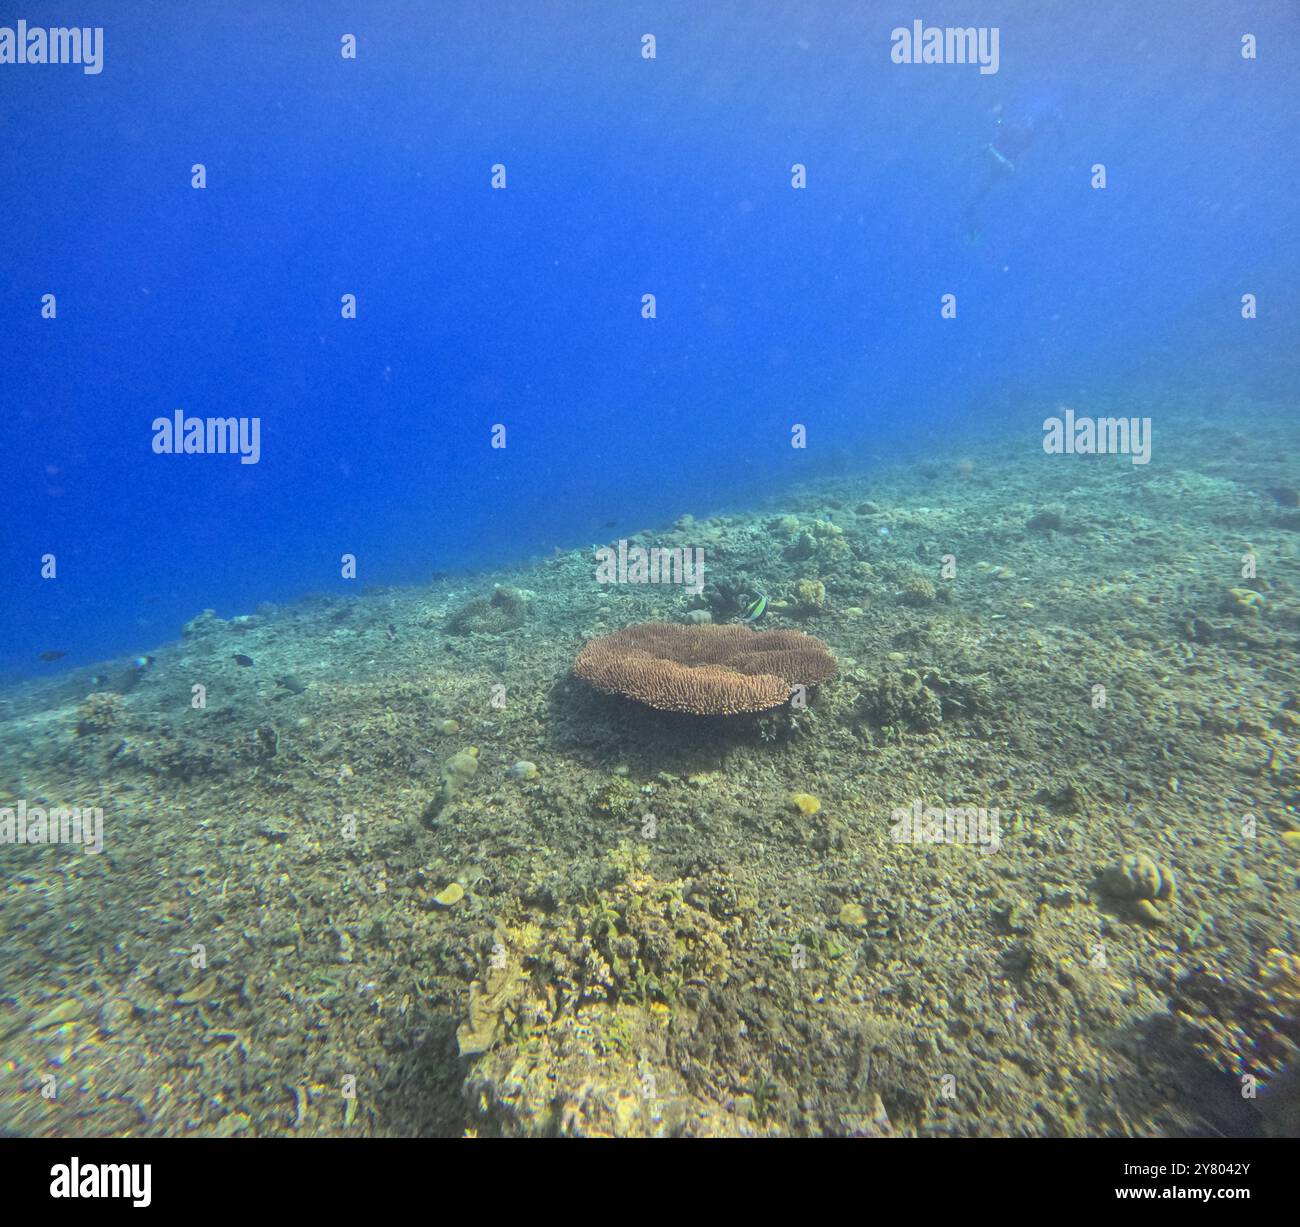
[{"x": 704, "y": 670}]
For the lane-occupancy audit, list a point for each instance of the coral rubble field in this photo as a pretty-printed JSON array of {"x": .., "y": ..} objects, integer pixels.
[{"x": 401, "y": 872}]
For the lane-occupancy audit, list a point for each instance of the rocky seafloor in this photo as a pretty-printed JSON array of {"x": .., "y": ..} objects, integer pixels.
[{"x": 400, "y": 873}]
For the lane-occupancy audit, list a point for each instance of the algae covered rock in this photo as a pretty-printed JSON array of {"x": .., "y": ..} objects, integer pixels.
[
  {"x": 571, "y": 1023},
  {"x": 1137, "y": 876},
  {"x": 823, "y": 540},
  {"x": 809, "y": 598},
  {"x": 903, "y": 700},
  {"x": 505, "y": 610},
  {"x": 489, "y": 1000},
  {"x": 1049, "y": 519},
  {"x": 462, "y": 765},
  {"x": 1140, "y": 880},
  {"x": 609, "y": 1073},
  {"x": 918, "y": 590},
  {"x": 456, "y": 771},
  {"x": 100, "y": 712}
]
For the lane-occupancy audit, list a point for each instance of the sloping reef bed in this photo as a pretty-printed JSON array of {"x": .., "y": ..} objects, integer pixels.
[{"x": 403, "y": 874}]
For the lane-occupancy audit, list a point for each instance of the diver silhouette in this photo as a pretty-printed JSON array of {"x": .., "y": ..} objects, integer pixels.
[{"x": 1016, "y": 132}]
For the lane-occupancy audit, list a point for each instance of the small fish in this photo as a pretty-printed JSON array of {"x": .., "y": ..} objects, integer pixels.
[
  {"x": 240, "y": 659},
  {"x": 756, "y": 609},
  {"x": 142, "y": 662},
  {"x": 52, "y": 655}
]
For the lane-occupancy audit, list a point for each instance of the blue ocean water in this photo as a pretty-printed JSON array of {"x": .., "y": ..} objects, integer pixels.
[{"x": 625, "y": 176}]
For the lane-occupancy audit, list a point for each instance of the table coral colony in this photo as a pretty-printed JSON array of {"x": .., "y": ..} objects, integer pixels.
[{"x": 704, "y": 670}]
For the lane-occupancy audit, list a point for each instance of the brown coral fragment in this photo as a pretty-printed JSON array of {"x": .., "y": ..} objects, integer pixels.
[{"x": 704, "y": 670}]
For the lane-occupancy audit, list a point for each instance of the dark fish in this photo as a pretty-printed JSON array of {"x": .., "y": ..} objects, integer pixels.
[
  {"x": 52, "y": 655},
  {"x": 240, "y": 659}
]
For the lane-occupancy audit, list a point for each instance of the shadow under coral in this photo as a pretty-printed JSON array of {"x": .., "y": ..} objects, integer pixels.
[{"x": 605, "y": 729}]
